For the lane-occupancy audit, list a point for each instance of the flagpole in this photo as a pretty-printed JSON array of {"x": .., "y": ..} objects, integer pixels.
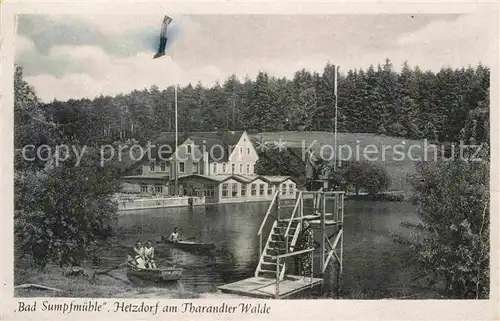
[
  {"x": 176, "y": 145},
  {"x": 233, "y": 110},
  {"x": 336, "y": 114}
]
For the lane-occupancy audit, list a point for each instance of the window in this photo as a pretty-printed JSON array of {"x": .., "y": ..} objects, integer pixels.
[
  {"x": 182, "y": 167},
  {"x": 251, "y": 169},
  {"x": 283, "y": 189},
  {"x": 215, "y": 168},
  {"x": 189, "y": 149},
  {"x": 243, "y": 189},
  {"x": 248, "y": 150},
  {"x": 163, "y": 167},
  {"x": 241, "y": 150},
  {"x": 254, "y": 189},
  {"x": 223, "y": 168},
  {"x": 209, "y": 191},
  {"x": 241, "y": 168},
  {"x": 144, "y": 188},
  {"x": 195, "y": 190},
  {"x": 261, "y": 189},
  {"x": 233, "y": 168},
  {"x": 152, "y": 167},
  {"x": 158, "y": 189},
  {"x": 196, "y": 168},
  {"x": 269, "y": 189},
  {"x": 290, "y": 189},
  {"x": 234, "y": 190},
  {"x": 224, "y": 190},
  {"x": 248, "y": 169}
]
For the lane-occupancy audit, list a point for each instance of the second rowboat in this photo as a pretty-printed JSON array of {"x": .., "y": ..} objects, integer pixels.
[{"x": 187, "y": 245}]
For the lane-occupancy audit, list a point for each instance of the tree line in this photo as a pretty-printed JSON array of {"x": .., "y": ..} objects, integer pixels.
[{"x": 409, "y": 103}]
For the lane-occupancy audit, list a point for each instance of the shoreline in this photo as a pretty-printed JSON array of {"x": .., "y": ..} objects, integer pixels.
[
  {"x": 116, "y": 286},
  {"x": 112, "y": 285}
]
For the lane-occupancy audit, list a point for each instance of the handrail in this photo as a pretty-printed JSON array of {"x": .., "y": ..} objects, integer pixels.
[
  {"x": 291, "y": 217},
  {"x": 269, "y": 238},
  {"x": 325, "y": 193},
  {"x": 281, "y": 256},
  {"x": 297, "y": 232},
  {"x": 268, "y": 212},
  {"x": 278, "y": 272}
]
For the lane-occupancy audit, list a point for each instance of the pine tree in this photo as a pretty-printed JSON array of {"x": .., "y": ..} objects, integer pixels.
[{"x": 261, "y": 104}]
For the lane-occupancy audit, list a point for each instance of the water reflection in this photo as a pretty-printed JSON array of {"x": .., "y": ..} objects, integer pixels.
[{"x": 372, "y": 261}]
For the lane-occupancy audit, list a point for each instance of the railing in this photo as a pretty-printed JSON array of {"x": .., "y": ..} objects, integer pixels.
[
  {"x": 157, "y": 202},
  {"x": 287, "y": 255},
  {"x": 259, "y": 233},
  {"x": 291, "y": 220},
  {"x": 261, "y": 259}
]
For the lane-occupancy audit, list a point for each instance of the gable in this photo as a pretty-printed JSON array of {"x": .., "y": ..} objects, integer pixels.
[
  {"x": 258, "y": 181},
  {"x": 189, "y": 150},
  {"x": 244, "y": 150}
]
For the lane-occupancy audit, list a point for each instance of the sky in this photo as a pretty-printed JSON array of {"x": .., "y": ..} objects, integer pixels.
[{"x": 81, "y": 56}]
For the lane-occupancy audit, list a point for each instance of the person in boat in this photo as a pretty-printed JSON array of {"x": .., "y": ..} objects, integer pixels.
[
  {"x": 149, "y": 255},
  {"x": 139, "y": 258},
  {"x": 305, "y": 241},
  {"x": 175, "y": 237}
]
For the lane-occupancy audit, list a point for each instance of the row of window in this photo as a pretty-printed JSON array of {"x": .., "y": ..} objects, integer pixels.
[
  {"x": 234, "y": 168},
  {"x": 207, "y": 190},
  {"x": 261, "y": 191},
  {"x": 189, "y": 150},
  {"x": 163, "y": 167},
  {"x": 182, "y": 167},
  {"x": 151, "y": 189},
  {"x": 241, "y": 150}
]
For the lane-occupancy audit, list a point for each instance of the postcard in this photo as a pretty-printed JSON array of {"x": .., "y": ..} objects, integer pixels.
[{"x": 249, "y": 161}]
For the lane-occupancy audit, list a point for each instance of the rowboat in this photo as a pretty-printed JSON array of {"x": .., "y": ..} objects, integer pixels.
[
  {"x": 188, "y": 245},
  {"x": 158, "y": 274}
]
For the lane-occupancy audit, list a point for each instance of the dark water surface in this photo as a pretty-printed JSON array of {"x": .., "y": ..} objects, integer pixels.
[{"x": 373, "y": 264}]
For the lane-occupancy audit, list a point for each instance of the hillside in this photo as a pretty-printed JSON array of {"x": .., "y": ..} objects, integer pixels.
[{"x": 397, "y": 165}]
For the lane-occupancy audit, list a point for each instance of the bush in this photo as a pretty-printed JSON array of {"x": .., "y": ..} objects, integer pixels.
[
  {"x": 61, "y": 211},
  {"x": 371, "y": 177},
  {"x": 452, "y": 201}
]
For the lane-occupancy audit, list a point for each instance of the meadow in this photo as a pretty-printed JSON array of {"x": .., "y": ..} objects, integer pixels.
[{"x": 380, "y": 149}]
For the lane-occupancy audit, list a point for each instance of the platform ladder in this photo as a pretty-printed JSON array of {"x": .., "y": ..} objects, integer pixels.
[{"x": 281, "y": 239}]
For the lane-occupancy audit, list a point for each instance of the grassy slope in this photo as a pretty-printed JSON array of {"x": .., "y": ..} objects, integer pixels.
[{"x": 398, "y": 169}]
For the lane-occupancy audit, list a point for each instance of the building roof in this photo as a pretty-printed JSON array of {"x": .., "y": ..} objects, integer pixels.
[
  {"x": 276, "y": 179},
  {"x": 217, "y": 178},
  {"x": 241, "y": 178},
  {"x": 203, "y": 140},
  {"x": 148, "y": 176}
]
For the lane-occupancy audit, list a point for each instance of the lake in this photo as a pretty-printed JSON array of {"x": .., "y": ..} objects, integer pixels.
[{"x": 374, "y": 266}]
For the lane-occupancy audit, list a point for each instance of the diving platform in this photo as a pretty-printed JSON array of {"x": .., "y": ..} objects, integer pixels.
[
  {"x": 265, "y": 288},
  {"x": 291, "y": 239}
]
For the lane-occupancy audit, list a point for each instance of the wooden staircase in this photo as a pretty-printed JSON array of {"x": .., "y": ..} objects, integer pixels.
[{"x": 281, "y": 240}]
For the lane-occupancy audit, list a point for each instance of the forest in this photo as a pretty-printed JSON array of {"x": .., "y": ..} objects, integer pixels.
[
  {"x": 385, "y": 100},
  {"x": 61, "y": 211}
]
